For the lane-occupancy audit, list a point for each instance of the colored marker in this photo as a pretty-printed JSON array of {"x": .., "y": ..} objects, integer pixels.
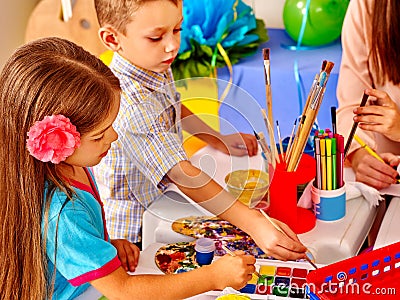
[
  {"x": 334, "y": 179},
  {"x": 339, "y": 159},
  {"x": 322, "y": 145},
  {"x": 328, "y": 164},
  {"x": 318, "y": 160}
]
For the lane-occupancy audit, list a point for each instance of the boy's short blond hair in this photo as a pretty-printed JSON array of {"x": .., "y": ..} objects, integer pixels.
[{"x": 119, "y": 13}]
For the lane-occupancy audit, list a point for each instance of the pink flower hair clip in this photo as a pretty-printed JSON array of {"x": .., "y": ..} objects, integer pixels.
[{"x": 52, "y": 139}]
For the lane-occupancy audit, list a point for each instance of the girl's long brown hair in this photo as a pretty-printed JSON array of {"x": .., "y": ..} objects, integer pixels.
[
  {"x": 45, "y": 77},
  {"x": 385, "y": 51}
]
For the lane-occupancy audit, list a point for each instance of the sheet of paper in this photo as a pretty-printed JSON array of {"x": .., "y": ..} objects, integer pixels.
[{"x": 393, "y": 190}]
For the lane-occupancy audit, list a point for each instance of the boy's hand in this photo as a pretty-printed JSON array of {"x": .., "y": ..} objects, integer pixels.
[
  {"x": 237, "y": 144},
  {"x": 128, "y": 254},
  {"x": 273, "y": 242}
]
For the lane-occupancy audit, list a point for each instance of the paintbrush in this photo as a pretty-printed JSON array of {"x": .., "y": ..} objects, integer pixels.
[
  {"x": 274, "y": 149},
  {"x": 265, "y": 152},
  {"x": 354, "y": 128},
  {"x": 270, "y": 117},
  {"x": 308, "y": 118},
  {"x": 278, "y": 130},
  {"x": 267, "y": 72},
  {"x": 284, "y": 233},
  {"x": 289, "y": 145},
  {"x": 333, "y": 118},
  {"x": 231, "y": 253}
]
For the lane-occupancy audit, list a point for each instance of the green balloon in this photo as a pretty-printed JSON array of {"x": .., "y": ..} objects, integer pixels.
[{"x": 324, "y": 20}]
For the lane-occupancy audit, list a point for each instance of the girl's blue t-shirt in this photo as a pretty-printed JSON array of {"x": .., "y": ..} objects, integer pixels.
[{"x": 83, "y": 248}]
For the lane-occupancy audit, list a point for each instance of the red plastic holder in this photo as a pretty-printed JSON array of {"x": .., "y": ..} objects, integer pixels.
[
  {"x": 283, "y": 195},
  {"x": 371, "y": 275}
]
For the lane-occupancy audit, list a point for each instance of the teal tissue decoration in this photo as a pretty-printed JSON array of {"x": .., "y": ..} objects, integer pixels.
[{"x": 215, "y": 34}]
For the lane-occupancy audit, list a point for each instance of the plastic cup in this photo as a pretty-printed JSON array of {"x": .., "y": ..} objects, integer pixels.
[{"x": 248, "y": 186}]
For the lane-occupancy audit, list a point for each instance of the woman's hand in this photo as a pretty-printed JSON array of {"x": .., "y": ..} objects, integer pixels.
[
  {"x": 373, "y": 172},
  {"x": 383, "y": 116}
]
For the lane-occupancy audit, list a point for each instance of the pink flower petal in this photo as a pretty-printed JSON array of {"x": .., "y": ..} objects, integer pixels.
[{"x": 52, "y": 139}]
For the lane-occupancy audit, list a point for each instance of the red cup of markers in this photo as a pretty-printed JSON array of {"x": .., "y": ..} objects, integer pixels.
[{"x": 283, "y": 194}]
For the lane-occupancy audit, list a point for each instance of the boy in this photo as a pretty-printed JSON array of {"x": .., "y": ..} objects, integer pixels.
[{"x": 145, "y": 38}]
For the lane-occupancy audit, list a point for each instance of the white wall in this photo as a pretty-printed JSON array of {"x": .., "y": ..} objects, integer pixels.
[
  {"x": 14, "y": 15},
  {"x": 269, "y": 10}
]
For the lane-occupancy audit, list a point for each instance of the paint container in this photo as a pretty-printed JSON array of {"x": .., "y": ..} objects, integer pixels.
[
  {"x": 204, "y": 251},
  {"x": 329, "y": 205},
  {"x": 278, "y": 279}
]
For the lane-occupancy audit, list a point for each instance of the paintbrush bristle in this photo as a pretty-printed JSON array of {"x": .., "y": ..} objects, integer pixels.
[
  {"x": 265, "y": 52},
  {"x": 323, "y": 64},
  {"x": 329, "y": 67},
  {"x": 256, "y": 135}
]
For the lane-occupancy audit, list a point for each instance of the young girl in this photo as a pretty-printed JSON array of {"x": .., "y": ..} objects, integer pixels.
[{"x": 58, "y": 103}]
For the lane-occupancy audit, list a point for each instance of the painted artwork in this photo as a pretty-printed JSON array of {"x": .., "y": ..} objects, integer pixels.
[
  {"x": 219, "y": 230},
  {"x": 176, "y": 258}
]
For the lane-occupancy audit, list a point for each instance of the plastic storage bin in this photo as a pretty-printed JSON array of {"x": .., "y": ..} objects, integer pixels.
[{"x": 372, "y": 275}]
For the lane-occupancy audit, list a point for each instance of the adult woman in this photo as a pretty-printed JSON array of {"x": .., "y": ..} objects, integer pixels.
[{"x": 370, "y": 40}]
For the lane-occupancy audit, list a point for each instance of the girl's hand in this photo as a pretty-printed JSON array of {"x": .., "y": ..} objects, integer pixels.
[
  {"x": 237, "y": 144},
  {"x": 383, "y": 116},
  {"x": 128, "y": 254},
  {"x": 233, "y": 271},
  {"x": 373, "y": 172}
]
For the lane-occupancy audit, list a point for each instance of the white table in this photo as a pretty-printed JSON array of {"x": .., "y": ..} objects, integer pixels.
[
  {"x": 389, "y": 231},
  {"x": 334, "y": 241},
  {"x": 329, "y": 241}
]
